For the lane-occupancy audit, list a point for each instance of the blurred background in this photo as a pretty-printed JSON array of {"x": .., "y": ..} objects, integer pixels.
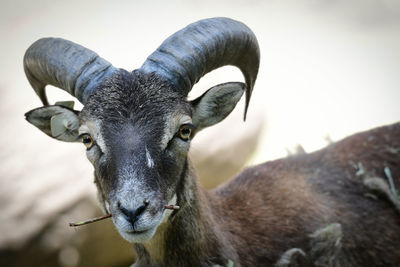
[{"x": 329, "y": 68}]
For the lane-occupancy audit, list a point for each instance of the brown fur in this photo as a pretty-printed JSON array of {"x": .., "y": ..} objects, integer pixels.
[{"x": 270, "y": 208}]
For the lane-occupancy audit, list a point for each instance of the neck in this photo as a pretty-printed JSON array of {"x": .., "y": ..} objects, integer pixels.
[{"x": 191, "y": 235}]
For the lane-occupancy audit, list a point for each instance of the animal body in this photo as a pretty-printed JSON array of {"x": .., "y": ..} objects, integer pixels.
[{"x": 137, "y": 127}]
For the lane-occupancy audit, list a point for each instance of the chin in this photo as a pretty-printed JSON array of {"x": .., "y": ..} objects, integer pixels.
[
  {"x": 138, "y": 236},
  {"x": 144, "y": 229}
]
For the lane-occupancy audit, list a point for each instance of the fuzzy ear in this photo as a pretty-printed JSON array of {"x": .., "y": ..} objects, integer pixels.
[
  {"x": 215, "y": 104},
  {"x": 58, "y": 121}
]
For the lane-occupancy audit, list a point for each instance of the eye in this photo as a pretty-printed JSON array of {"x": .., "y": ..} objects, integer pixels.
[
  {"x": 185, "y": 132},
  {"x": 87, "y": 140}
]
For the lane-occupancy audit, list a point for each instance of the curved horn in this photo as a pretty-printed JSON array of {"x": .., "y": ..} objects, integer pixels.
[
  {"x": 184, "y": 57},
  {"x": 66, "y": 65}
]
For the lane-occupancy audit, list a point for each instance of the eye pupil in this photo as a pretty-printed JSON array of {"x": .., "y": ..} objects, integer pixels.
[
  {"x": 184, "y": 132},
  {"x": 87, "y": 141}
]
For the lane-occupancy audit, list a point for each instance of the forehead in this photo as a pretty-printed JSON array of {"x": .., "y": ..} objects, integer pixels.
[
  {"x": 135, "y": 97},
  {"x": 144, "y": 105}
]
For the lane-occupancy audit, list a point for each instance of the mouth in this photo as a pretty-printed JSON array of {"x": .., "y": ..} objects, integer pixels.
[
  {"x": 143, "y": 229},
  {"x": 138, "y": 236},
  {"x": 134, "y": 232}
]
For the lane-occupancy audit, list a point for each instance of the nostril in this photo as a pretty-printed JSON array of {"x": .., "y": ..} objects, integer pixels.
[
  {"x": 140, "y": 210},
  {"x": 133, "y": 215},
  {"x": 125, "y": 211}
]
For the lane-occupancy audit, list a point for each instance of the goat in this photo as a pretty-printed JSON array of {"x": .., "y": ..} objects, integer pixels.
[{"x": 137, "y": 127}]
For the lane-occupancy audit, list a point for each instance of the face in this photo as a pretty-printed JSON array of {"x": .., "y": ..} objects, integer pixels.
[
  {"x": 138, "y": 146},
  {"x": 137, "y": 131}
]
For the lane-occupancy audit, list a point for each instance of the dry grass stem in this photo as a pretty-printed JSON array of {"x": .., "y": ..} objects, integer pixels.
[
  {"x": 90, "y": 220},
  {"x": 172, "y": 207},
  {"x": 169, "y": 207}
]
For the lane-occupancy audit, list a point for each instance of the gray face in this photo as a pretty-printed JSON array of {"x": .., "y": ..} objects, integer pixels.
[
  {"x": 137, "y": 138},
  {"x": 137, "y": 130}
]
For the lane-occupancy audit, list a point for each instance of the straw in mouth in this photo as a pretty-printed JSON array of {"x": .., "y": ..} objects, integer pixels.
[{"x": 168, "y": 207}]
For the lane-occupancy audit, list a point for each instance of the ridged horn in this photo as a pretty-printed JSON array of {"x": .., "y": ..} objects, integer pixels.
[
  {"x": 66, "y": 65},
  {"x": 187, "y": 55}
]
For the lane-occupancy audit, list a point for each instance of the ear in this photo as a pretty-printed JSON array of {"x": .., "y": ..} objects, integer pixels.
[
  {"x": 215, "y": 104},
  {"x": 58, "y": 121}
]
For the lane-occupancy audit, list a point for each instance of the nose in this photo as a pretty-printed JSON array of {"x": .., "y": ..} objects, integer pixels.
[{"x": 133, "y": 215}]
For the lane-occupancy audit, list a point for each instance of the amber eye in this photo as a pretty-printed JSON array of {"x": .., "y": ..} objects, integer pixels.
[
  {"x": 185, "y": 132},
  {"x": 87, "y": 140}
]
